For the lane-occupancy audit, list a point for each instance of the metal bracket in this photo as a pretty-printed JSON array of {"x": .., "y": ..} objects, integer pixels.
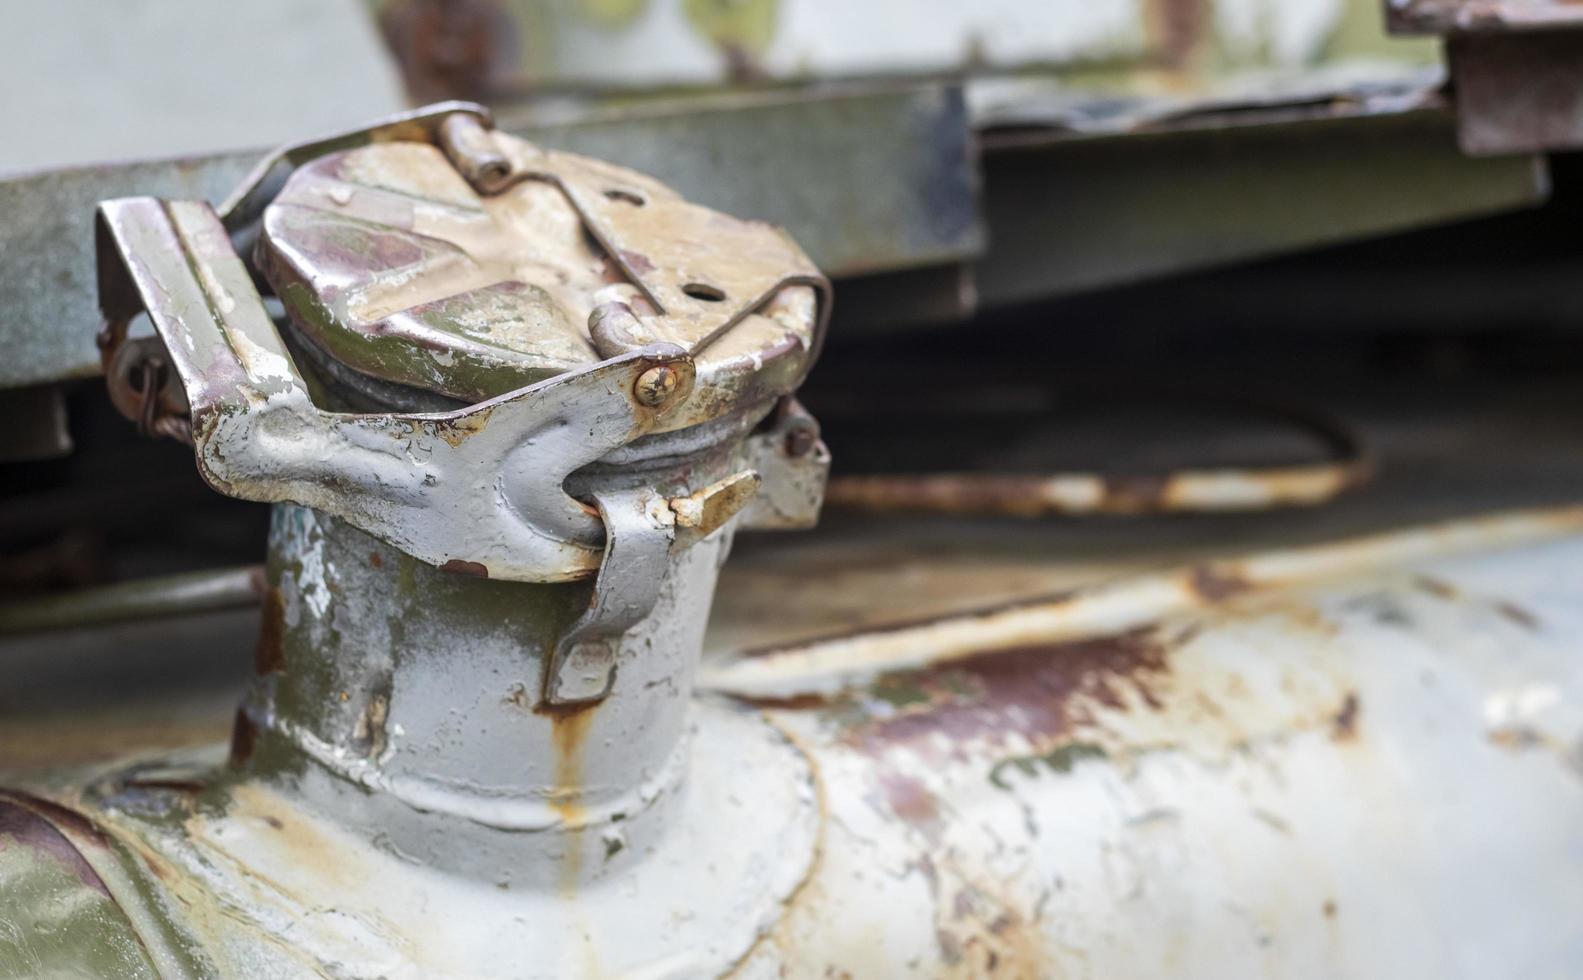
[
  {"x": 795, "y": 466},
  {"x": 639, "y": 531},
  {"x": 642, "y": 530}
]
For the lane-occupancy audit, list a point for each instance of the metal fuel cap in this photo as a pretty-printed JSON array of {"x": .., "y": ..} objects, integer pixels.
[{"x": 476, "y": 264}]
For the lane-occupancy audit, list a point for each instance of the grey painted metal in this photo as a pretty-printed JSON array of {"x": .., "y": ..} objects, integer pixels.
[
  {"x": 432, "y": 691},
  {"x": 640, "y": 531},
  {"x": 794, "y": 467},
  {"x": 47, "y": 254}
]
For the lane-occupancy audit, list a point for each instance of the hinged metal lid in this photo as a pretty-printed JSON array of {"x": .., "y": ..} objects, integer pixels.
[{"x": 392, "y": 263}]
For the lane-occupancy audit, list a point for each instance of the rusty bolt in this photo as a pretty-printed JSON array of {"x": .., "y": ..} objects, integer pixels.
[
  {"x": 800, "y": 441},
  {"x": 655, "y": 386}
]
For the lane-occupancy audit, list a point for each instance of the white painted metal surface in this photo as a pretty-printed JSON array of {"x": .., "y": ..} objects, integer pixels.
[
  {"x": 90, "y": 82},
  {"x": 1376, "y": 774},
  {"x": 1358, "y": 760}
]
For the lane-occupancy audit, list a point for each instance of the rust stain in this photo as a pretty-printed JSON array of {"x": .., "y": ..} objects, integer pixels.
[
  {"x": 458, "y": 566},
  {"x": 1302, "y": 615},
  {"x": 375, "y": 560},
  {"x": 569, "y": 726},
  {"x": 1135, "y": 493},
  {"x": 458, "y": 430},
  {"x": 1177, "y": 26},
  {"x": 1512, "y": 738},
  {"x": 910, "y": 800},
  {"x": 1039, "y": 692},
  {"x": 257, "y": 581},
  {"x": 795, "y": 702},
  {"x": 269, "y": 653},
  {"x": 1330, "y": 908},
  {"x": 448, "y": 50},
  {"x": 244, "y": 735},
  {"x": 1517, "y": 614},
  {"x": 636, "y": 261},
  {"x": 26, "y": 828},
  {"x": 948, "y": 493},
  {"x": 1436, "y": 587},
  {"x": 1345, "y": 723},
  {"x": 982, "y": 934},
  {"x": 1218, "y": 582}
]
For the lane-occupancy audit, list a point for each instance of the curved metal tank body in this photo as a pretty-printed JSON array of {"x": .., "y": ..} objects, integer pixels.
[{"x": 1358, "y": 760}]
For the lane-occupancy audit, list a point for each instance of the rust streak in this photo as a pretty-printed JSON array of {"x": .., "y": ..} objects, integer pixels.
[
  {"x": 1345, "y": 727},
  {"x": 796, "y": 702},
  {"x": 1178, "y": 27},
  {"x": 569, "y": 726},
  {"x": 1143, "y": 493},
  {"x": 459, "y": 566},
  {"x": 1041, "y": 692},
  {"x": 269, "y": 653},
  {"x": 1217, "y": 583},
  {"x": 1517, "y": 614},
  {"x": 911, "y": 801},
  {"x": 244, "y": 735}
]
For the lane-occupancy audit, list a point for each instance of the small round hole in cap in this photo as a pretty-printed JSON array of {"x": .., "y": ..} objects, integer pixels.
[
  {"x": 626, "y": 197},
  {"x": 705, "y": 292}
]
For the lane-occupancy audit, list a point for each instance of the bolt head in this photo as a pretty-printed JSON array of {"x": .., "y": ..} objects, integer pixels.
[
  {"x": 655, "y": 386},
  {"x": 800, "y": 441}
]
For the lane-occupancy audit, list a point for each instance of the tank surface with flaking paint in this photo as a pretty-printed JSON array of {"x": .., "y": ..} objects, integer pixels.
[{"x": 1361, "y": 759}]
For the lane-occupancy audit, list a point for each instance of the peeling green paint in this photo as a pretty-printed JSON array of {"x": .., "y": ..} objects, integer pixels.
[
  {"x": 1059, "y": 760},
  {"x": 57, "y": 919},
  {"x": 610, "y": 13},
  {"x": 901, "y": 690},
  {"x": 743, "y": 25}
]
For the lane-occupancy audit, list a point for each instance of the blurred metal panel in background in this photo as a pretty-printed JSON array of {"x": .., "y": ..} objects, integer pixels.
[{"x": 88, "y": 81}]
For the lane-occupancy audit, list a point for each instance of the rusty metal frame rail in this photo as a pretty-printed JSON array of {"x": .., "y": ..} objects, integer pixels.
[{"x": 1189, "y": 490}]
